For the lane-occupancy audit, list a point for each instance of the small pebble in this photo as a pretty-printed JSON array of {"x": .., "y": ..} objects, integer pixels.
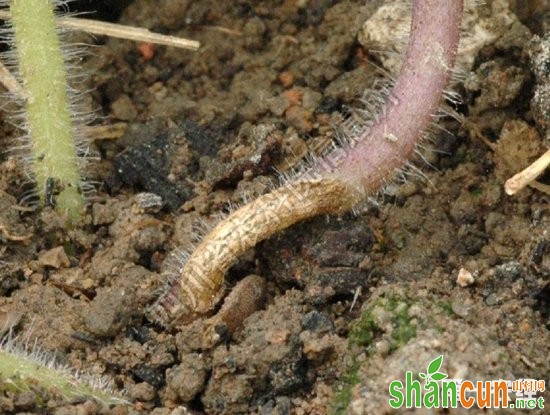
[
  {"x": 148, "y": 202},
  {"x": 317, "y": 322},
  {"x": 104, "y": 214},
  {"x": 142, "y": 392},
  {"x": 56, "y": 258},
  {"x": 123, "y": 108},
  {"x": 87, "y": 283},
  {"x": 187, "y": 379},
  {"x": 311, "y": 99},
  {"x": 465, "y": 278},
  {"x": 492, "y": 300},
  {"x": 286, "y": 78},
  {"x": 278, "y": 105},
  {"x": 383, "y": 347},
  {"x": 461, "y": 308},
  {"x": 108, "y": 312},
  {"x": 147, "y": 50},
  {"x": 294, "y": 96},
  {"x": 509, "y": 270}
]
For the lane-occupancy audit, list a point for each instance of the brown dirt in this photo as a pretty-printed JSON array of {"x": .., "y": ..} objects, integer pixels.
[{"x": 209, "y": 127}]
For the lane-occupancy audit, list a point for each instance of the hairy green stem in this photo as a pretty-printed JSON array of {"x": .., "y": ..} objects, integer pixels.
[
  {"x": 22, "y": 371},
  {"x": 48, "y": 112}
]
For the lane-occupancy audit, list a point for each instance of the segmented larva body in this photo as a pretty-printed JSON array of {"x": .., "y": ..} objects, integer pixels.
[
  {"x": 202, "y": 276},
  {"x": 336, "y": 182}
]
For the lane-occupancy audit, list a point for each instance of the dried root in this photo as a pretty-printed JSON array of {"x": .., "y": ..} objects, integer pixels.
[{"x": 528, "y": 175}]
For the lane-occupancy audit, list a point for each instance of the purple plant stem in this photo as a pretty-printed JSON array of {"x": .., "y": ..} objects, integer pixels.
[
  {"x": 385, "y": 147},
  {"x": 339, "y": 180}
]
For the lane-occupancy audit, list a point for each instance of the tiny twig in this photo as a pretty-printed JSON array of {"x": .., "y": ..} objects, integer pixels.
[
  {"x": 105, "y": 132},
  {"x": 476, "y": 133},
  {"x": 524, "y": 178},
  {"x": 120, "y": 31},
  {"x": 19, "y": 208},
  {"x": 540, "y": 187},
  {"x": 528, "y": 175},
  {"x": 11, "y": 237},
  {"x": 10, "y": 82}
]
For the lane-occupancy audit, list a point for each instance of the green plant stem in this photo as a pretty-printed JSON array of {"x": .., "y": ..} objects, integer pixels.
[
  {"x": 48, "y": 113},
  {"x": 22, "y": 372}
]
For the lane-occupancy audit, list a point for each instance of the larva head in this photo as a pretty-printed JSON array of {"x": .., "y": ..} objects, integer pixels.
[{"x": 183, "y": 302}]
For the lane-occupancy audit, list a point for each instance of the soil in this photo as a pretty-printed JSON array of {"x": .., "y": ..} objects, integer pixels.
[{"x": 342, "y": 305}]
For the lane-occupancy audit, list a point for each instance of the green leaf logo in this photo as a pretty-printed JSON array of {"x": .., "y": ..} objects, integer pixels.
[
  {"x": 433, "y": 373},
  {"x": 439, "y": 376},
  {"x": 435, "y": 364}
]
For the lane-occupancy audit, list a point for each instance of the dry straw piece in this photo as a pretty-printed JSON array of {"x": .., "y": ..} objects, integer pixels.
[
  {"x": 119, "y": 31},
  {"x": 528, "y": 175}
]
